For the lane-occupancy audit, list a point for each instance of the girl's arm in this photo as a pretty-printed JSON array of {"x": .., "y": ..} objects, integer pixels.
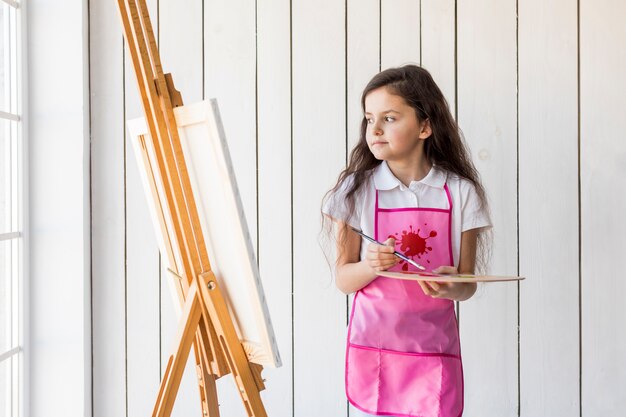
[
  {"x": 352, "y": 274},
  {"x": 457, "y": 291}
]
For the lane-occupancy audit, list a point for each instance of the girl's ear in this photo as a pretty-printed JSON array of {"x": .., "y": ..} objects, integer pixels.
[{"x": 425, "y": 129}]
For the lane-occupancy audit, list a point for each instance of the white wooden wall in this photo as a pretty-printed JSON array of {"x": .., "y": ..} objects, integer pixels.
[{"x": 539, "y": 91}]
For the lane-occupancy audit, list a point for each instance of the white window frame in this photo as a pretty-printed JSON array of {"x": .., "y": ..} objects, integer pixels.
[{"x": 15, "y": 236}]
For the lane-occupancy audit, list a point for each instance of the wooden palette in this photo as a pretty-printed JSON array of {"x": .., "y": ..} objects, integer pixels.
[{"x": 430, "y": 276}]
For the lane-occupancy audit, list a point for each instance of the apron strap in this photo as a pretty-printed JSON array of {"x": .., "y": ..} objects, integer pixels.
[
  {"x": 445, "y": 187},
  {"x": 376, "y": 216},
  {"x": 376, "y": 204}
]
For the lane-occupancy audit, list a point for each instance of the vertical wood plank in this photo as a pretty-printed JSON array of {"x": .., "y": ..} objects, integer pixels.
[
  {"x": 318, "y": 156},
  {"x": 487, "y": 102},
  {"x": 274, "y": 191},
  {"x": 180, "y": 48},
  {"x": 437, "y": 51},
  {"x": 363, "y": 52},
  {"x": 180, "y": 45},
  {"x": 400, "y": 32},
  {"x": 548, "y": 166},
  {"x": 142, "y": 280},
  {"x": 142, "y": 266},
  {"x": 362, "y": 60},
  {"x": 603, "y": 169},
  {"x": 107, "y": 216},
  {"x": 230, "y": 76}
]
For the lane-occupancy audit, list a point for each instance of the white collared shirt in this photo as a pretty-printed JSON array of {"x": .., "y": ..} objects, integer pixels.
[{"x": 427, "y": 192}]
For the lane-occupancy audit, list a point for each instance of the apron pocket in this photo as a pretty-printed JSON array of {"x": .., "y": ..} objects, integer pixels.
[
  {"x": 407, "y": 384},
  {"x": 362, "y": 377}
]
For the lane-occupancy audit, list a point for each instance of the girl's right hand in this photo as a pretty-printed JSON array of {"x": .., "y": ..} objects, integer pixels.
[{"x": 381, "y": 258}]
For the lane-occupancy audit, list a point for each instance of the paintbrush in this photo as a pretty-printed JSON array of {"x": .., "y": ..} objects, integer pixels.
[{"x": 395, "y": 252}]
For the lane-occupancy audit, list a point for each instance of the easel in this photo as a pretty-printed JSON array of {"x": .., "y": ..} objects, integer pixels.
[{"x": 205, "y": 322}]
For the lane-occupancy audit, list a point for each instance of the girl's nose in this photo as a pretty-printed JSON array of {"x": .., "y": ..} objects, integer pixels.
[{"x": 377, "y": 131}]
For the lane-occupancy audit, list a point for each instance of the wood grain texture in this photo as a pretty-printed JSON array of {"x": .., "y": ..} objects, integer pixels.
[
  {"x": 363, "y": 50},
  {"x": 438, "y": 42},
  {"x": 548, "y": 227},
  {"x": 400, "y": 33},
  {"x": 318, "y": 155},
  {"x": 486, "y": 77},
  {"x": 273, "y": 90},
  {"x": 108, "y": 231},
  {"x": 603, "y": 169}
]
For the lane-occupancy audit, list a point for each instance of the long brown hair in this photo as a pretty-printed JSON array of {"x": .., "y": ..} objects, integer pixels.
[{"x": 445, "y": 148}]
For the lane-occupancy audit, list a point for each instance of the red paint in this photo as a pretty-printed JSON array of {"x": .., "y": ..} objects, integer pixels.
[{"x": 412, "y": 244}]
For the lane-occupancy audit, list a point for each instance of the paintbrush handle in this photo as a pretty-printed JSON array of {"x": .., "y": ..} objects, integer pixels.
[
  {"x": 395, "y": 252},
  {"x": 366, "y": 237},
  {"x": 401, "y": 256}
]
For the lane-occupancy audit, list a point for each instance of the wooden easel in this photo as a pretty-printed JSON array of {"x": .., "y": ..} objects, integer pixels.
[{"x": 205, "y": 322}]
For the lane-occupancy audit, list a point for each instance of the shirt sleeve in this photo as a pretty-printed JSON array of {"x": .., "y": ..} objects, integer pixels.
[
  {"x": 335, "y": 205},
  {"x": 473, "y": 214}
]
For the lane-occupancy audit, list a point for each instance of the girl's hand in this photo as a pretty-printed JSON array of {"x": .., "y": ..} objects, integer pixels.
[
  {"x": 455, "y": 291},
  {"x": 381, "y": 258}
]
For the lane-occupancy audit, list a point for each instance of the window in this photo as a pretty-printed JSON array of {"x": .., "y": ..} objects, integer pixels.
[{"x": 11, "y": 211}]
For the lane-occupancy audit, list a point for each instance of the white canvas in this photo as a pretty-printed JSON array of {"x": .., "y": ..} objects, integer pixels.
[{"x": 222, "y": 221}]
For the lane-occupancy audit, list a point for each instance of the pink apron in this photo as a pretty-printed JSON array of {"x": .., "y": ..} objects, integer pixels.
[{"x": 403, "y": 356}]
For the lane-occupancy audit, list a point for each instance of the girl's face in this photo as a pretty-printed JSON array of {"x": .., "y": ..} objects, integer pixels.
[{"x": 393, "y": 131}]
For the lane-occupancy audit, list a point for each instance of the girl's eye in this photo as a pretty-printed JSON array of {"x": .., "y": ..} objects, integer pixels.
[
  {"x": 389, "y": 119},
  {"x": 369, "y": 120}
]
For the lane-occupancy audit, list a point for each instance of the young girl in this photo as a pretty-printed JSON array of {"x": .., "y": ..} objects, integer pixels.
[{"x": 411, "y": 183}]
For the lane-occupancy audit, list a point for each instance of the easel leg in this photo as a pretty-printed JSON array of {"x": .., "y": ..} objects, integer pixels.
[
  {"x": 231, "y": 346},
  {"x": 176, "y": 364},
  {"x": 212, "y": 349},
  {"x": 206, "y": 381}
]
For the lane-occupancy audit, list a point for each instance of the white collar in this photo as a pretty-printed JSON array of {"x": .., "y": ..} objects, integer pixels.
[{"x": 385, "y": 180}]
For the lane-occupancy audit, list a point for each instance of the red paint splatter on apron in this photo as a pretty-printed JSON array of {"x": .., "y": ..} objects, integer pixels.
[{"x": 412, "y": 244}]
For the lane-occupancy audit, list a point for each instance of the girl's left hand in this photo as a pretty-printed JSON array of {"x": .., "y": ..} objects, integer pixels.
[{"x": 456, "y": 291}]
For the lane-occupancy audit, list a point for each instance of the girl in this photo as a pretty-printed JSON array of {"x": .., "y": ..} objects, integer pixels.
[{"x": 411, "y": 183}]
